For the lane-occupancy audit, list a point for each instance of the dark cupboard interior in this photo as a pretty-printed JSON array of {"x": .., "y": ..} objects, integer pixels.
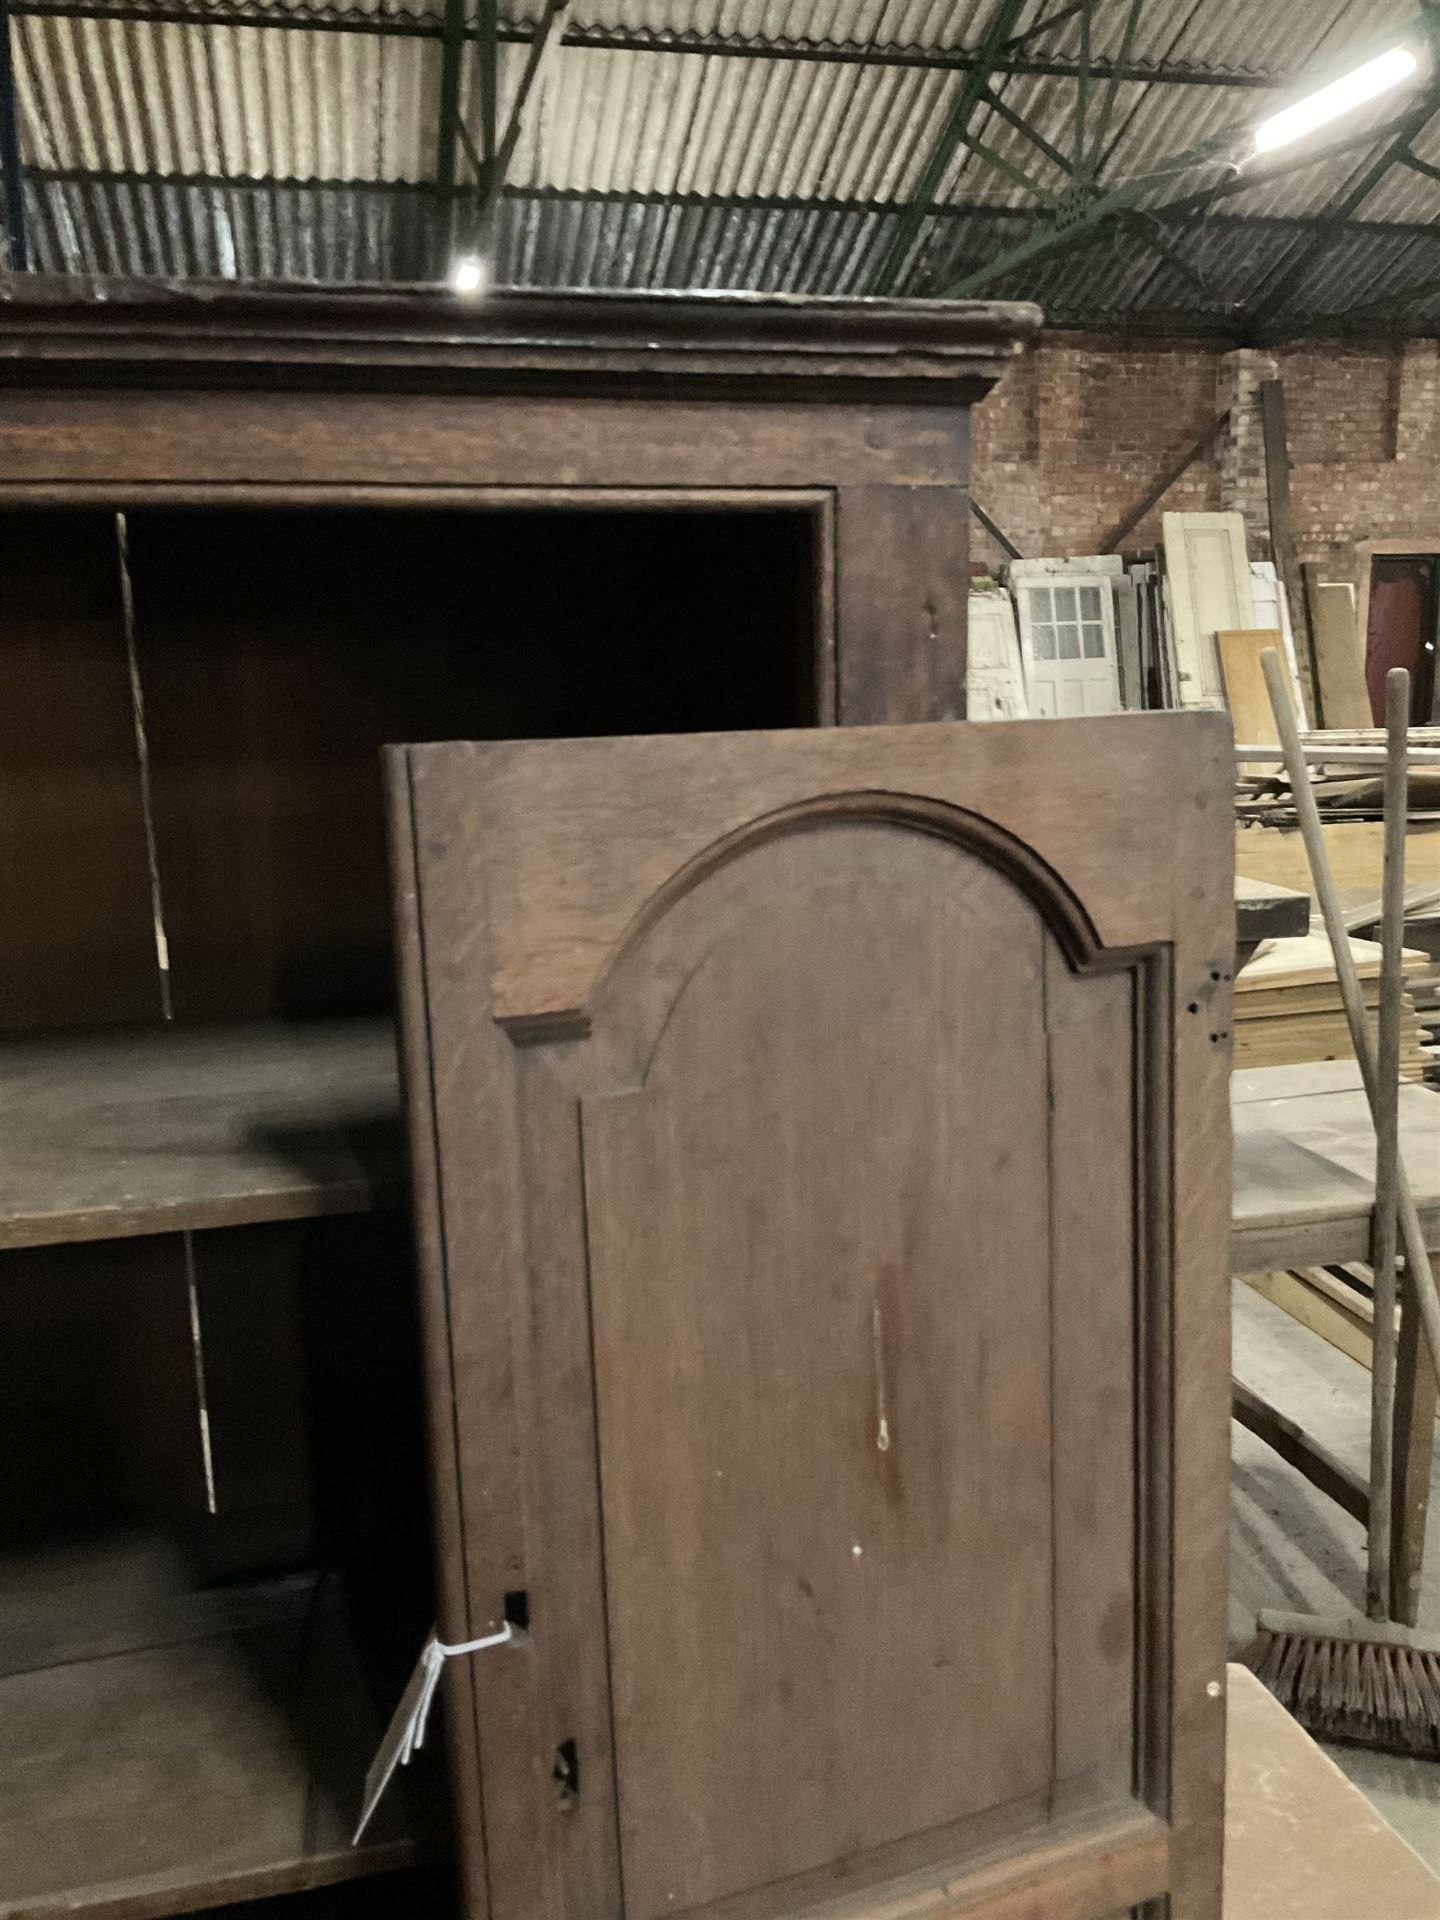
[{"x": 213, "y": 1539}]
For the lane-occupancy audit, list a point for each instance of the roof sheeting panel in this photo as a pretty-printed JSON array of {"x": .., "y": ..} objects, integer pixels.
[
  {"x": 108, "y": 96},
  {"x": 617, "y": 122},
  {"x": 1278, "y": 38}
]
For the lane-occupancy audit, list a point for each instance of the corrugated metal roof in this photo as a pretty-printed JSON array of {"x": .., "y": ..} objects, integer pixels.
[{"x": 762, "y": 143}]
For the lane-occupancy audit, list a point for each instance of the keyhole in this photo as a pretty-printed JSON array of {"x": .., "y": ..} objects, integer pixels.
[{"x": 566, "y": 1773}]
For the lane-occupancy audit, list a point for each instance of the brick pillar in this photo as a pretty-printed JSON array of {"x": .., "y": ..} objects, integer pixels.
[
  {"x": 1242, "y": 448},
  {"x": 1059, "y": 399},
  {"x": 1417, "y": 400}
]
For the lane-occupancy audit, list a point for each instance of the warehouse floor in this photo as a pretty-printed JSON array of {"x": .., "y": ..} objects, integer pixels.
[{"x": 1293, "y": 1548}]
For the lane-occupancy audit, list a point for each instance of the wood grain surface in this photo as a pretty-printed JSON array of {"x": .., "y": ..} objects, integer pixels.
[
  {"x": 831, "y": 1321},
  {"x": 147, "y": 1132},
  {"x": 319, "y": 564},
  {"x": 1302, "y": 1841},
  {"x": 185, "y": 1775}
]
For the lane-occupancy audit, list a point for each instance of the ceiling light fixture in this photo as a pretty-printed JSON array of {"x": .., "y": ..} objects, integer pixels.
[
  {"x": 1351, "y": 90},
  {"x": 469, "y": 274}
]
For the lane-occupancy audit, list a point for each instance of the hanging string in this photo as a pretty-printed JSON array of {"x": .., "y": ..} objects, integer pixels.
[{"x": 162, "y": 964}]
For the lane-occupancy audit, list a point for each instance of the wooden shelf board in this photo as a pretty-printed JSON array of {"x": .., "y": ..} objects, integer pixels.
[
  {"x": 104, "y": 1135},
  {"x": 185, "y": 1776}
]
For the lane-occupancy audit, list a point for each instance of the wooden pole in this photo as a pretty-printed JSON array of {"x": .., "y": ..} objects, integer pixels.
[{"x": 1387, "y": 1144}]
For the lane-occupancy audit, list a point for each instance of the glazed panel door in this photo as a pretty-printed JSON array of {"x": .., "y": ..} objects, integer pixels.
[
  {"x": 1068, "y": 627},
  {"x": 809, "y": 1261}
]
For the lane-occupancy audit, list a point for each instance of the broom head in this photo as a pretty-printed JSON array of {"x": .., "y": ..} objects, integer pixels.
[{"x": 1362, "y": 1683}]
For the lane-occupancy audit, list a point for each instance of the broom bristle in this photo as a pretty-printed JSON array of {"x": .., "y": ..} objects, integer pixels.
[{"x": 1354, "y": 1692}]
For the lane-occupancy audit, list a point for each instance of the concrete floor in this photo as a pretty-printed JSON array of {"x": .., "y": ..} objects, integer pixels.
[{"x": 1290, "y": 1547}]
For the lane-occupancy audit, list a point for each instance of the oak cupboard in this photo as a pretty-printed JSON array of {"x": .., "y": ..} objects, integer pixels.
[{"x": 246, "y": 538}]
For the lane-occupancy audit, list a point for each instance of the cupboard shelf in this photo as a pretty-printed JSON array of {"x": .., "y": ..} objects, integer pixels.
[
  {"x": 105, "y": 1135},
  {"x": 188, "y": 1775}
]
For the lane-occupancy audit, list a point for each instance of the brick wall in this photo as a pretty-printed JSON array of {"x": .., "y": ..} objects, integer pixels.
[{"x": 1084, "y": 426}]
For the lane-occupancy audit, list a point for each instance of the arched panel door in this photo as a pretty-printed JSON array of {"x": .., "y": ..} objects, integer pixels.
[{"x": 810, "y": 1257}]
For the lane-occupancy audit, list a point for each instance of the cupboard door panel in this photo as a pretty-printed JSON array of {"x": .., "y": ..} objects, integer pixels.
[
  {"x": 851, "y": 1270},
  {"x": 823, "y": 1429}
]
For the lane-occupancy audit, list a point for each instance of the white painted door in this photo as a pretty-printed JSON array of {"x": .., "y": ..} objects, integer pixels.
[
  {"x": 994, "y": 679},
  {"x": 1067, "y": 630},
  {"x": 1207, "y": 579},
  {"x": 1272, "y": 609}
]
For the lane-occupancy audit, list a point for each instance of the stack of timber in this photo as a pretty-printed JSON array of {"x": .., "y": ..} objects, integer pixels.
[
  {"x": 1268, "y": 847},
  {"x": 1422, "y": 932},
  {"x": 1343, "y": 789},
  {"x": 1288, "y": 1007}
]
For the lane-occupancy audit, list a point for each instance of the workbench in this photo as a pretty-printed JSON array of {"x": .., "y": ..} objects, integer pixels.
[{"x": 1304, "y": 1189}]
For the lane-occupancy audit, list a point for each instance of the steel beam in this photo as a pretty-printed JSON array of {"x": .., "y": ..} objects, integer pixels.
[
  {"x": 996, "y": 532},
  {"x": 1090, "y": 163},
  {"x": 1089, "y": 226},
  {"x": 1155, "y": 237},
  {"x": 17, "y": 247},
  {"x": 547, "y": 39},
  {"x": 488, "y": 24},
  {"x": 1037, "y": 27},
  {"x": 952, "y": 135},
  {"x": 1117, "y": 200},
  {"x": 999, "y": 164},
  {"x": 447, "y": 150},
  {"x": 1082, "y": 89},
  {"x": 1023, "y": 126},
  {"x": 960, "y": 60}
]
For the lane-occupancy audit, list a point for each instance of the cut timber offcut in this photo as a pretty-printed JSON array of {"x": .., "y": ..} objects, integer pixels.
[
  {"x": 1240, "y": 649},
  {"x": 1339, "y": 651}
]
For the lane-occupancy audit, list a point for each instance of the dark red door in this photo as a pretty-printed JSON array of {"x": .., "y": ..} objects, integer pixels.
[{"x": 1401, "y": 630}]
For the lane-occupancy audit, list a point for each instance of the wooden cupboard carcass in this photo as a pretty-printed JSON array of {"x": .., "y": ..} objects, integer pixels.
[{"x": 246, "y": 537}]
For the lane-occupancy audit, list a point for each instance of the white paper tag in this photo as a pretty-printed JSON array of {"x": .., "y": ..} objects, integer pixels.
[{"x": 405, "y": 1734}]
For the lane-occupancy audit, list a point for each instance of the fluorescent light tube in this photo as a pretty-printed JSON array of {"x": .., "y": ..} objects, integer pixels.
[{"x": 1351, "y": 90}]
